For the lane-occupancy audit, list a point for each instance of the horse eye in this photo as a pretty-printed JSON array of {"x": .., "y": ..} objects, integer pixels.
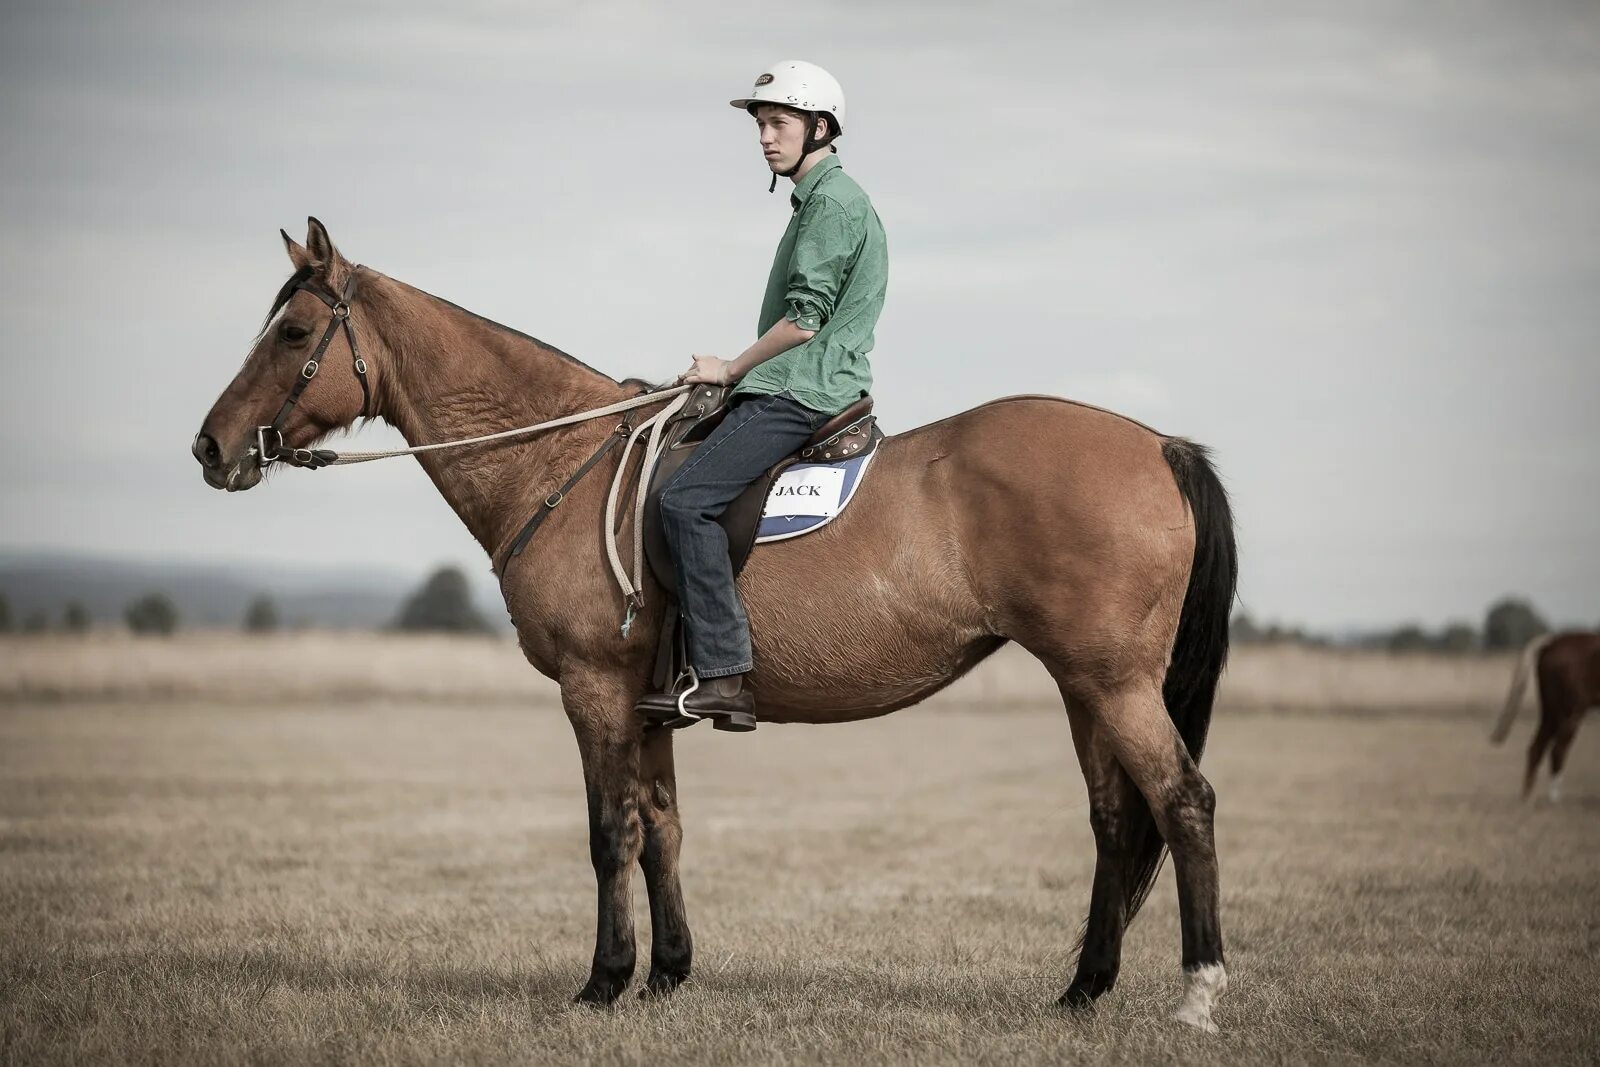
[{"x": 295, "y": 333}]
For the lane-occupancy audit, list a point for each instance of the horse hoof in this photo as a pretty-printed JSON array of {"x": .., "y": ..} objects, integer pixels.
[
  {"x": 598, "y": 994},
  {"x": 1206, "y": 984},
  {"x": 661, "y": 985},
  {"x": 1085, "y": 989},
  {"x": 1198, "y": 1018}
]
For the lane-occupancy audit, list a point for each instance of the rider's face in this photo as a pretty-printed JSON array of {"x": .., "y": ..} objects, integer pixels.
[{"x": 783, "y": 135}]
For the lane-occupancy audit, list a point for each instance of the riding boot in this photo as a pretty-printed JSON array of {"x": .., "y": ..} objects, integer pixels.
[{"x": 724, "y": 700}]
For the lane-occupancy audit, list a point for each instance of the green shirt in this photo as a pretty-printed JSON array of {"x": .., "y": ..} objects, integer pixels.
[{"x": 830, "y": 275}]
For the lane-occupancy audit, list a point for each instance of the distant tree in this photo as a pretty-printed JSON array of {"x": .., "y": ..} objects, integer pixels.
[
  {"x": 36, "y": 623},
  {"x": 75, "y": 619},
  {"x": 1243, "y": 629},
  {"x": 262, "y": 615},
  {"x": 1409, "y": 638},
  {"x": 443, "y": 603},
  {"x": 1458, "y": 637},
  {"x": 152, "y": 613},
  {"x": 1511, "y": 623},
  {"x": 6, "y": 624}
]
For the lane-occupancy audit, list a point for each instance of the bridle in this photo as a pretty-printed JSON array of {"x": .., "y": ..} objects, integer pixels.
[{"x": 269, "y": 446}]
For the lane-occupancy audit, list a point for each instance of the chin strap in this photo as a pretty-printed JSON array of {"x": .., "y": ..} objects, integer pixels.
[{"x": 812, "y": 144}]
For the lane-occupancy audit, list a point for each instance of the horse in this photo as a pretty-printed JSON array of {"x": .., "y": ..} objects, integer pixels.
[
  {"x": 1568, "y": 668},
  {"x": 1102, "y": 547}
]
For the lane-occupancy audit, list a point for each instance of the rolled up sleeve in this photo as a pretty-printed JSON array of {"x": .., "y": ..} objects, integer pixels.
[{"x": 825, "y": 247}]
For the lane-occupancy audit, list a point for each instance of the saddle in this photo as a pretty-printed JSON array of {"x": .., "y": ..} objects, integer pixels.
[{"x": 851, "y": 434}]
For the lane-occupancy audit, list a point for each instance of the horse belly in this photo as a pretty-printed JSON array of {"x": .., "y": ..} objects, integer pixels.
[{"x": 859, "y": 619}]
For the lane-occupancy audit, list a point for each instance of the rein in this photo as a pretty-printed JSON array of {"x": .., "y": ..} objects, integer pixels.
[{"x": 269, "y": 448}]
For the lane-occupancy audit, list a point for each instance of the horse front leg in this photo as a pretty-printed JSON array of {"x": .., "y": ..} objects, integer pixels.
[
  {"x": 601, "y": 710},
  {"x": 671, "y": 945}
]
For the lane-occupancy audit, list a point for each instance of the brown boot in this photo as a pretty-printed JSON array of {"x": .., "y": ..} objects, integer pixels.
[{"x": 725, "y": 701}]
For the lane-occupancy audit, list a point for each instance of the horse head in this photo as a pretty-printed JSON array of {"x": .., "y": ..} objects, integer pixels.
[{"x": 301, "y": 380}]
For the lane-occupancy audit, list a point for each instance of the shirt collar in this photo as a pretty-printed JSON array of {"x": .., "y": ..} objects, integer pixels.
[{"x": 804, "y": 187}]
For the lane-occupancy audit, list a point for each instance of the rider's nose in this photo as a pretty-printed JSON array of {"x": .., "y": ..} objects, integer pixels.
[{"x": 206, "y": 451}]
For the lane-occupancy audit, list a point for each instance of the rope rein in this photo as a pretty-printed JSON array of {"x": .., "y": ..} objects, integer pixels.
[{"x": 341, "y": 459}]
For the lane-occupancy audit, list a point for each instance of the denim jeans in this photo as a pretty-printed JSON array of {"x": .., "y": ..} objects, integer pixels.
[{"x": 757, "y": 432}]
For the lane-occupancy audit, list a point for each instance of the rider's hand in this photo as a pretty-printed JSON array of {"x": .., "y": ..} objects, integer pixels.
[{"x": 710, "y": 370}]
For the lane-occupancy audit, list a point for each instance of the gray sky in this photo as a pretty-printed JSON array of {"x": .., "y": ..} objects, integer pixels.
[{"x": 1356, "y": 250}]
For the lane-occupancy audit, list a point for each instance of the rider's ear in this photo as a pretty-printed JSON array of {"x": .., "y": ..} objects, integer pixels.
[{"x": 297, "y": 251}]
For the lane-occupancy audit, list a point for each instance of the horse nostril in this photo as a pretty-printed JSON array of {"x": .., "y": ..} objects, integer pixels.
[{"x": 206, "y": 451}]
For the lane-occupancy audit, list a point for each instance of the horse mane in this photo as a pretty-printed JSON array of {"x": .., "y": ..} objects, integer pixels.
[{"x": 502, "y": 327}]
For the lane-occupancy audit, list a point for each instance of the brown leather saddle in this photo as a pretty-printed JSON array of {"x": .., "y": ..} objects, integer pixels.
[{"x": 852, "y": 432}]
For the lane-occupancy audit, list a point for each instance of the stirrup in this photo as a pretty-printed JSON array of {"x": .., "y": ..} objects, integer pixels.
[
  {"x": 654, "y": 705},
  {"x": 694, "y": 684}
]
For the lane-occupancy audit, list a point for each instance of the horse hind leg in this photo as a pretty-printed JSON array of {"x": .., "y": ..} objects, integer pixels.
[
  {"x": 1116, "y": 814},
  {"x": 1558, "y": 750},
  {"x": 1536, "y": 750},
  {"x": 1152, "y": 753}
]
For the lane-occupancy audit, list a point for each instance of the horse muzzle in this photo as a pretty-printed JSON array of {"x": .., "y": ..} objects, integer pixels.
[{"x": 242, "y": 473}]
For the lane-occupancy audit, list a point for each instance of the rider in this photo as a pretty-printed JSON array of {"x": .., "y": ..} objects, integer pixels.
[{"x": 808, "y": 364}]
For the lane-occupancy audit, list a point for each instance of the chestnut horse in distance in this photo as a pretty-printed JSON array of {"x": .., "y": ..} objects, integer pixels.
[
  {"x": 1568, "y": 669},
  {"x": 1102, "y": 547}
]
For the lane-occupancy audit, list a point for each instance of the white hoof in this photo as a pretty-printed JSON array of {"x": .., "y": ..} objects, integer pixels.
[
  {"x": 1200, "y": 1020},
  {"x": 1555, "y": 789},
  {"x": 1204, "y": 987}
]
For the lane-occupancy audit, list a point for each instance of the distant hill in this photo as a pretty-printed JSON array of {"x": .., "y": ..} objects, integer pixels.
[{"x": 216, "y": 594}]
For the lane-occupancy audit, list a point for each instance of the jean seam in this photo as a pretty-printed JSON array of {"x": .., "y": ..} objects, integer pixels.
[{"x": 723, "y": 672}]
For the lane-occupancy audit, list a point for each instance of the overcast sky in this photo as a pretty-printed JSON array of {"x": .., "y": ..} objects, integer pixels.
[{"x": 1356, "y": 250}]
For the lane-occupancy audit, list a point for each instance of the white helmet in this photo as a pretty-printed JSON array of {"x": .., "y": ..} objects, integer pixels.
[{"x": 798, "y": 84}]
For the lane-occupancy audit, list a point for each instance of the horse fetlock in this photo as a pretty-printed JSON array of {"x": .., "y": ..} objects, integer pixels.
[{"x": 1204, "y": 986}]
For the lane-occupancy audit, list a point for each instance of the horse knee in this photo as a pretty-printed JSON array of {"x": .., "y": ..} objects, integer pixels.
[
  {"x": 615, "y": 841},
  {"x": 1190, "y": 811}
]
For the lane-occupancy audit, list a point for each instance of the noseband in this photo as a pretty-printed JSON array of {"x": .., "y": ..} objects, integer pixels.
[{"x": 269, "y": 446}]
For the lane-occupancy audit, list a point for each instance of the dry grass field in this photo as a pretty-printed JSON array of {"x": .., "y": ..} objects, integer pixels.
[{"x": 242, "y": 877}]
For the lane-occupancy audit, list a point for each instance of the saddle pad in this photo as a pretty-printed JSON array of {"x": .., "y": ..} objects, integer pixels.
[{"x": 808, "y": 496}]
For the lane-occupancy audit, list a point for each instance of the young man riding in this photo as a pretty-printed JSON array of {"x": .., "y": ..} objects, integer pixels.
[{"x": 808, "y": 364}]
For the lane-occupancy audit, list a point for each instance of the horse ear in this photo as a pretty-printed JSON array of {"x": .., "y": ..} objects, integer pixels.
[
  {"x": 331, "y": 267},
  {"x": 319, "y": 243},
  {"x": 297, "y": 251}
]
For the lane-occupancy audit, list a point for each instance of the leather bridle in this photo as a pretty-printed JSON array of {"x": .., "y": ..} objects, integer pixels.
[{"x": 269, "y": 446}]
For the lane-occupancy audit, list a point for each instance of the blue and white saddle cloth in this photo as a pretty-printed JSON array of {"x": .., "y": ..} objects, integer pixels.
[{"x": 808, "y": 496}]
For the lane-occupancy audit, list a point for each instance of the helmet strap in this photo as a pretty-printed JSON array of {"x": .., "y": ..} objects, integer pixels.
[{"x": 812, "y": 143}]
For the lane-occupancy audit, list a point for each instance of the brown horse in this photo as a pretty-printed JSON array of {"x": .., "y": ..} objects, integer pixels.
[
  {"x": 1102, "y": 547},
  {"x": 1568, "y": 668}
]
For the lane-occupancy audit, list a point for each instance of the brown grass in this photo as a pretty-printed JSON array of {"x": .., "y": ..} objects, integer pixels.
[
  {"x": 343, "y": 666},
  {"x": 409, "y": 882}
]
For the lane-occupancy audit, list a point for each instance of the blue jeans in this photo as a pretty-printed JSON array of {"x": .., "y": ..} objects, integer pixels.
[{"x": 757, "y": 432}]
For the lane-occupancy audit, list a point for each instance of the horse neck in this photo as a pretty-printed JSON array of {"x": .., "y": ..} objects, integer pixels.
[{"x": 449, "y": 374}]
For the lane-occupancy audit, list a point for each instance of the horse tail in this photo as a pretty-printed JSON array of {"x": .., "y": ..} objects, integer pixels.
[
  {"x": 1519, "y": 682},
  {"x": 1201, "y": 647}
]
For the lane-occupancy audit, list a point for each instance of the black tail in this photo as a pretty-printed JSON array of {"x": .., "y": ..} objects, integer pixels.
[{"x": 1201, "y": 648}]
